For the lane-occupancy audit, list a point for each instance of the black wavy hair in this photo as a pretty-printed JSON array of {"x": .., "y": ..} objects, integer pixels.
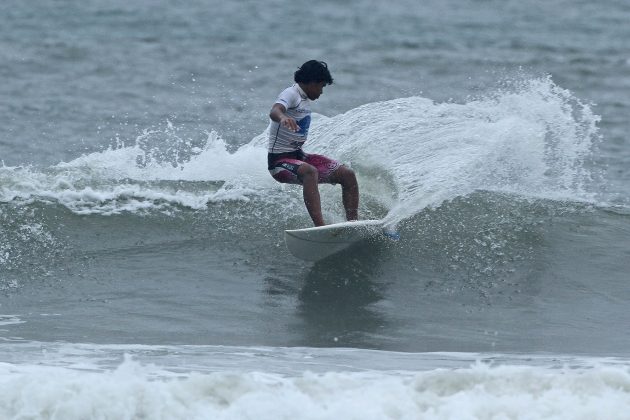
[{"x": 313, "y": 71}]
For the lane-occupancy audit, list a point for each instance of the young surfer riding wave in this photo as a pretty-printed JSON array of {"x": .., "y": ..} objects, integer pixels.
[{"x": 288, "y": 130}]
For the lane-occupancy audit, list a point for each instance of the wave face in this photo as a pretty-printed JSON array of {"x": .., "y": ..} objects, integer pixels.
[{"x": 532, "y": 140}]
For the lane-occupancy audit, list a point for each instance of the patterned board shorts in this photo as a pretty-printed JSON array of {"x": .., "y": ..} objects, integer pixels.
[{"x": 284, "y": 169}]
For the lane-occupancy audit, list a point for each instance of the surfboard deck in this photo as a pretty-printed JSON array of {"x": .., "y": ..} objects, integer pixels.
[{"x": 316, "y": 243}]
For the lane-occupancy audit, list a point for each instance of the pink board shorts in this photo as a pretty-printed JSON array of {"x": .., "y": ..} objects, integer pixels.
[{"x": 283, "y": 167}]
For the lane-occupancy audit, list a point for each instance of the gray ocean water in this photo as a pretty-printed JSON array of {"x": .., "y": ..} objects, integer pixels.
[{"x": 137, "y": 216}]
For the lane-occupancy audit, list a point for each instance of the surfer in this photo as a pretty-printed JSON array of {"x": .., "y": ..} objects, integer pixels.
[{"x": 288, "y": 163}]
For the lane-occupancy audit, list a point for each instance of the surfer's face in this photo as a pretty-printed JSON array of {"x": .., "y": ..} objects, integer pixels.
[{"x": 313, "y": 89}]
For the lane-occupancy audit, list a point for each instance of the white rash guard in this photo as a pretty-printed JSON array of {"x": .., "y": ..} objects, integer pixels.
[{"x": 298, "y": 106}]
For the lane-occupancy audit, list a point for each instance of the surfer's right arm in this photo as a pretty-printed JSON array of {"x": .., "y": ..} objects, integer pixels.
[{"x": 278, "y": 115}]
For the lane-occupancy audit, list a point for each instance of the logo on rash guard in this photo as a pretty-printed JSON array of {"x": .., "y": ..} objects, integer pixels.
[{"x": 304, "y": 124}]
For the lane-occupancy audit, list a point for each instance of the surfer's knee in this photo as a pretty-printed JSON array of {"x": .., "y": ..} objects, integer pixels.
[
  {"x": 307, "y": 172},
  {"x": 346, "y": 177}
]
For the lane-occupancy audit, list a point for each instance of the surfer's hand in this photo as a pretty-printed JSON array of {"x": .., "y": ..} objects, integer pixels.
[{"x": 289, "y": 123}]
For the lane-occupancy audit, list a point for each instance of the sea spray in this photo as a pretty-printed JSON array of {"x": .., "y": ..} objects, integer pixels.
[{"x": 532, "y": 140}]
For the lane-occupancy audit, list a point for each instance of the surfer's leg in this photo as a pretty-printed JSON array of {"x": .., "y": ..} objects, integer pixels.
[
  {"x": 309, "y": 176},
  {"x": 333, "y": 172},
  {"x": 293, "y": 171},
  {"x": 349, "y": 190}
]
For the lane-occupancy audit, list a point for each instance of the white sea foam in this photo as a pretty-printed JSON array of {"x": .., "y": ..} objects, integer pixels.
[
  {"x": 114, "y": 181},
  {"x": 134, "y": 391},
  {"x": 10, "y": 320}
]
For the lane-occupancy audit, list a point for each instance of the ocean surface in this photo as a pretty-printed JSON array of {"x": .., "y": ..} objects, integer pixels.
[{"x": 143, "y": 271}]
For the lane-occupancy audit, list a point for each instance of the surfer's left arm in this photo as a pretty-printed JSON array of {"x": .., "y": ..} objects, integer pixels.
[{"x": 278, "y": 115}]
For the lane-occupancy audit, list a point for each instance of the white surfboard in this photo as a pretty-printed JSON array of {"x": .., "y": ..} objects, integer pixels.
[{"x": 316, "y": 243}]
